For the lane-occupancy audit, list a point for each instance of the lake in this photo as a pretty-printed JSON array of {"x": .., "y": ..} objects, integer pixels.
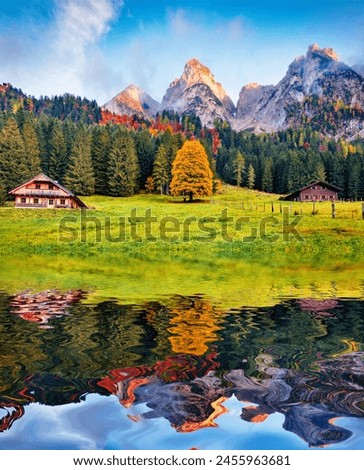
[{"x": 180, "y": 353}]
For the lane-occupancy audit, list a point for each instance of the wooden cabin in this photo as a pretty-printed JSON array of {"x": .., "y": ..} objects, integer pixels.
[
  {"x": 317, "y": 191},
  {"x": 41, "y": 192}
]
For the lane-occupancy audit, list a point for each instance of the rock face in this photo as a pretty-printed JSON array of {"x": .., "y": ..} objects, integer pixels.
[
  {"x": 313, "y": 86},
  {"x": 131, "y": 101},
  {"x": 319, "y": 73},
  {"x": 197, "y": 92}
]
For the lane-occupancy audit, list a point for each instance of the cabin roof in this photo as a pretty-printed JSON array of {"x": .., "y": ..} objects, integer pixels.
[
  {"x": 321, "y": 182},
  {"x": 41, "y": 177}
]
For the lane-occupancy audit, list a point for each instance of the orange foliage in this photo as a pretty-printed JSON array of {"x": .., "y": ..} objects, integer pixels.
[
  {"x": 193, "y": 327},
  {"x": 191, "y": 172},
  {"x": 216, "y": 141}
]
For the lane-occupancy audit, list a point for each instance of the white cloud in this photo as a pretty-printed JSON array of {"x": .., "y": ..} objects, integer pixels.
[
  {"x": 64, "y": 56},
  {"x": 75, "y": 62}
]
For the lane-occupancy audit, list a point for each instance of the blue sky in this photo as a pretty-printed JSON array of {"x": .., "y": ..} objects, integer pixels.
[{"x": 95, "y": 48}]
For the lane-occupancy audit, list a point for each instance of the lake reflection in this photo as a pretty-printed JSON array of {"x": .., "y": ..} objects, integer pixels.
[{"x": 184, "y": 362}]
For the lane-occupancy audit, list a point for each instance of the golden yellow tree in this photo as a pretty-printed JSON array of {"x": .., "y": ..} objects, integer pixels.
[{"x": 191, "y": 172}]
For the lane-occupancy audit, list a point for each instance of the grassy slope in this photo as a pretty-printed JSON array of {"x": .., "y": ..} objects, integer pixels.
[{"x": 38, "y": 231}]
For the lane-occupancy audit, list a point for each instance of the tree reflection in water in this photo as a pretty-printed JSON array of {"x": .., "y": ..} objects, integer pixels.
[{"x": 185, "y": 358}]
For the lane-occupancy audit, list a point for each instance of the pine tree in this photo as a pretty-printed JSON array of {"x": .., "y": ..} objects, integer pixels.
[
  {"x": 144, "y": 147},
  {"x": 353, "y": 183},
  {"x": 320, "y": 173},
  {"x": 31, "y": 148},
  {"x": 80, "y": 175},
  {"x": 2, "y": 195},
  {"x": 160, "y": 169},
  {"x": 44, "y": 127},
  {"x": 57, "y": 159},
  {"x": 267, "y": 178},
  {"x": 14, "y": 168},
  {"x": 100, "y": 158},
  {"x": 239, "y": 165},
  {"x": 172, "y": 143},
  {"x": 123, "y": 165},
  {"x": 228, "y": 173},
  {"x": 251, "y": 177},
  {"x": 191, "y": 172}
]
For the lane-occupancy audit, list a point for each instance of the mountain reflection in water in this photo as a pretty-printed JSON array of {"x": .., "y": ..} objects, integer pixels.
[{"x": 184, "y": 358}]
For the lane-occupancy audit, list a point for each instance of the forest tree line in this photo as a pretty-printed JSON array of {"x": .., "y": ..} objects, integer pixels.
[{"x": 121, "y": 160}]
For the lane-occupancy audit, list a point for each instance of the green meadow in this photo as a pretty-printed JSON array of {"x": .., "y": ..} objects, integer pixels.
[
  {"x": 241, "y": 221},
  {"x": 235, "y": 248}
]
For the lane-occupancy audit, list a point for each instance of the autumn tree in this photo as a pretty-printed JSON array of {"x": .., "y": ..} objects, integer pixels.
[
  {"x": 149, "y": 184},
  {"x": 191, "y": 172}
]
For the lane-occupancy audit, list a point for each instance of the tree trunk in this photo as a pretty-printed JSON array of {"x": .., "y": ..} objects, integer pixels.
[{"x": 191, "y": 196}]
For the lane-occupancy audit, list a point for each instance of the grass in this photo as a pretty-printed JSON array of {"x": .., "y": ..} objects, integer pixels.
[
  {"x": 236, "y": 221},
  {"x": 326, "y": 262}
]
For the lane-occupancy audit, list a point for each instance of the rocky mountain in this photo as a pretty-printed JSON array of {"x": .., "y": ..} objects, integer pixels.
[
  {"x": 197, "y": 92},
  {"x": 131, "y": 101},
  {"x": 318, "y": 89},
  {"x": 312, "y": 84}
]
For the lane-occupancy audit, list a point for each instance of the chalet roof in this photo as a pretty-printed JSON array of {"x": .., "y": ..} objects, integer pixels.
[
  {"x": 41, "y": 177},
  {"x": 315, "y": 183}
]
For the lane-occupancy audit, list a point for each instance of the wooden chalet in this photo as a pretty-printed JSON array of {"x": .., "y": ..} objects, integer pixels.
[
  {"x": 41, "y": 192},
  {"x": 317, "y": 191}
]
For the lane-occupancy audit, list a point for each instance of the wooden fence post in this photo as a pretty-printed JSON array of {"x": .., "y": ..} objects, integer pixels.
[
  {"x": 333, "y": 210},
  {"x": 362, "y": 211}
]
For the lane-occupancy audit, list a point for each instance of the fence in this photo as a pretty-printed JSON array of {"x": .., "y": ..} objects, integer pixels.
[{"x": 338, "y": 209}]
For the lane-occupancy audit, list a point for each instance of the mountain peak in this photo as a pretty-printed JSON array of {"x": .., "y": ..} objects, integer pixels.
[
  {"x": 326, "y": 52},
  {"x": 252, "y": 86},
  {"x": 195, "y": 72},
  {"x": 197, "y": 92},
  {"x": 196, "y": 64},
  {"x": 133, "y": 100}
]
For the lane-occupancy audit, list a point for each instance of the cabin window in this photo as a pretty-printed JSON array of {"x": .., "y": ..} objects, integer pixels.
[
  {"x": 50, "y": 202},
  {"x": 23, "y": 200},
  {"x": 50, "y": 186},
  {"x": 63, "y": 202},
  {"x": 37, "y": 186},
  {"x": 36, "y": 200}
]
